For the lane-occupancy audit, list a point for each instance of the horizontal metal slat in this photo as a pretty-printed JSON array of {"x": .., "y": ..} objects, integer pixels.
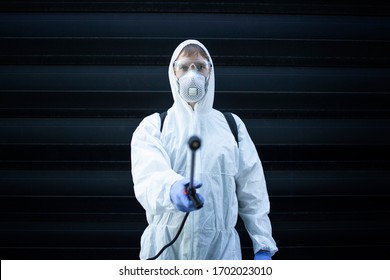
[
  {"x": 124, "y": 253},
  {"x": 114, "y": 183},
  {"x": 280, "y": 52},
  {"x": 267, "y": 165},
  {"x": 133, "y": 80},
  {"x": 121, "y": 152},
  {"x": 79, "y": 205},
  {"x": 126, "y": 221},
  {"x": 247, "y": 7},
  {"x": 110, "y": 239},
  {"x": 314, "y": 204},
  {"x": 177, "y": 25},
  {"x": 136, "y": 104},
  {"x": 69, "y": 253},
  {"x": 78, "y": 131}
]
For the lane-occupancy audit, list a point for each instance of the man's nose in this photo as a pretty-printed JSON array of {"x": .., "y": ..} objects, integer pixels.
[{"x": 192, "y": 66}]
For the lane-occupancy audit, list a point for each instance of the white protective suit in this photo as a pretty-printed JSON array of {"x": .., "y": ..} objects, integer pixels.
[{"x": 232, "y": 177}]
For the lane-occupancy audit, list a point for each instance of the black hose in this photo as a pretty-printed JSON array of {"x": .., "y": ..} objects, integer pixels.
[
  {"x": 173, "y": 240},
  {"x": 194, "y": 143}
]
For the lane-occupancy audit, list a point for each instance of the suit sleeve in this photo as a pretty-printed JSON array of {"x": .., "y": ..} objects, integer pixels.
[
  {"x": 150, "y": 167},
  {"x": 252, "y": 194}
]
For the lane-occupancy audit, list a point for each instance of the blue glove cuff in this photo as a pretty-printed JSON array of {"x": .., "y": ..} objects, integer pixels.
[{"x": 263, "y": 255}]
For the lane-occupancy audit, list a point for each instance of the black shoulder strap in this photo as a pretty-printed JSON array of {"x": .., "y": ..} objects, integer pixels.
[
  {"x": 162, "y": 117},
  {"x": 229, "y": 118},
  {"x": 232, "y": 124}
]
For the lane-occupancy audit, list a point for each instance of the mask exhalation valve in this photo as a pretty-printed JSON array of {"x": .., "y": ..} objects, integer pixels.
[{"x": 192, "y": 91}]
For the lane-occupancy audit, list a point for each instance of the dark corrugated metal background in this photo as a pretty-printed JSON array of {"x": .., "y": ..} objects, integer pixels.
[{"x": 309, "y": 78}]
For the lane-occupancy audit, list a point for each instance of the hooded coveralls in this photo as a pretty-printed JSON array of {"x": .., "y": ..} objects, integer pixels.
[{"x": 232, "y": 177}]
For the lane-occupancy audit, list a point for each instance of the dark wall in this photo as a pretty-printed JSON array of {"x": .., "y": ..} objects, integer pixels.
[{"x": 309, "y": 78}]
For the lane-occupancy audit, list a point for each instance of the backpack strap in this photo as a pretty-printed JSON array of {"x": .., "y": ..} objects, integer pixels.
[
  {"x": 162, "y": 117},
  {"x": 228, "y": 116},
  {"x": 232, "y": 124}
]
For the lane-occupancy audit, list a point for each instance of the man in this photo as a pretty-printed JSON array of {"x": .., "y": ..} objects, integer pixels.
[{"x": 229, "y": 174}]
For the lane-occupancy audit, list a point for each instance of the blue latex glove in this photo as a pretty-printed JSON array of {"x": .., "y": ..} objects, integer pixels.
[
  {"x": 180, "y": 198},
  {"x": 263, "y": 255}
]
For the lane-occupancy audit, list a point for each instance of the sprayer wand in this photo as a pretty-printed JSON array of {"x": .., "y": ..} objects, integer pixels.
[{"x": 194, "y": 143}]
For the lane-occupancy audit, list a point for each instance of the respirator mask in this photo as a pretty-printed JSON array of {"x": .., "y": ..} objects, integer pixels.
[{"x": 192, "y": 79}]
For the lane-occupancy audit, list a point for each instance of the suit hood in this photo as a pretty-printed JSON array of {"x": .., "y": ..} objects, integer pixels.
[{"x": 206, "y": 104}]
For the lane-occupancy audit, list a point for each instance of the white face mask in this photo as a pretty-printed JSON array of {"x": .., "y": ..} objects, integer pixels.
[{"x": 192, "y": 86}]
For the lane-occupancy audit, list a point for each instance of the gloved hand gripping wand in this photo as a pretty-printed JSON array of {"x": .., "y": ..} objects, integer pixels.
[{"x": 194, "y": 143}]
